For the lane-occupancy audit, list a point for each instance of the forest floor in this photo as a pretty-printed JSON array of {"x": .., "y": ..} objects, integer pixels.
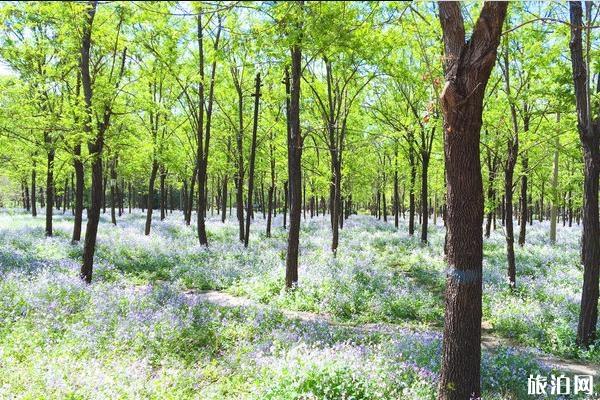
[
  {"x": 489, "y": 341},
  {"x": 166, "y": 318}
]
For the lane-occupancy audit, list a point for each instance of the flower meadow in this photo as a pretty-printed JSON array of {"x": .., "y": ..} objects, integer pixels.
[{"x": 138, "y": 332}]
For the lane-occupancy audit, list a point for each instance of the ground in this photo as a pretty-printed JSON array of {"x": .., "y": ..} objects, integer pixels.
[{"x": 168, "y": 319}]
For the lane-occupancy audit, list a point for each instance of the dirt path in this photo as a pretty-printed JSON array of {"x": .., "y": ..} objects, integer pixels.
[{"x": 489, "y": 342}]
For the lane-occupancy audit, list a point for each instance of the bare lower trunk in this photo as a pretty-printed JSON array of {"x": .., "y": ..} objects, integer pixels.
[
  {"x": 49, "y": 191},
  {"x": 150, "y": 199}
]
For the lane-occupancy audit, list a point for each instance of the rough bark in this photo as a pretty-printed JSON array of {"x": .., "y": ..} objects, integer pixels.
[
  {"x": 467, "y": 69},
  {"x": 589, "y": 134}
]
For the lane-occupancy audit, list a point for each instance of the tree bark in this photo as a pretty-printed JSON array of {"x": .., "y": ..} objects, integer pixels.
[
  {"x": 113, "y": 187},
  {"x": 95, "y": 146},
  {"x": 33, "y": 189},
  {"x": 294, "y": 167},
  {"x": 589, "y": 133},
  {"x": 468, "y": 67},
  {"x": 411, "y": 190},
  {"x": 163, "y": 193},
  {"x": 252, "y": 159},
  {"x": 49, "y": 183},
  {"x": 150, "y": 198},
  {"x": 424, "y": 198},
  {"x": 554, "y": 209},
  {"x": 524, "y": 206}
]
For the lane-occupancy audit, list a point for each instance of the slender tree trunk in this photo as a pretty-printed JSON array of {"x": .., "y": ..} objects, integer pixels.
[
  {"x": 510, "y": 241},
  {"x": 396, "y": 201},
  {"x": 252, "y": 158},
  {"x": 411, "y": 192},
  {"x": 224, "y": 199},
  {"x": 163, "y": 195},
  {"x": 467, "y": 70},
  {"x": 27, "y": 199},
  {"x": 113, "y": 183},
  {"x": 95, "y": 146},
  {"x": 104, "y": 193},
  {"x": 553, "y": 211},
  {"x": 424, "y": 198},
  {"x": 190, "y": 197},
  {"x": 150, "y": 198},
  {"x": 49, "y": 187},
  {"x": 33, "y": 189},
  {"x": 66, "y": 195},
  {"x": 524, "y": 205},
  {"x": 294, "y": 167}
]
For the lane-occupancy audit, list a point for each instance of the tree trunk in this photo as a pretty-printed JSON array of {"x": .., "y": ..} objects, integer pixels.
[
  {"x": 113, "y": 183},
  {"x": 95, "y": 146},
  {"x": 553, "y": 211},
  {"x": 462, "y": 104},
  {"x": 150, "y": 198},
  {"x": 424, "y": 198},
  {"x": 224, "y": 200},
  {"x": 396, "y": 201},
  {"x": 33, "y": 189},
  {"x": 285, "y": 203},
  {"x": 589, "y": 133},
  {"x": 411, "y": 192},
  {"x": 524, "y": 205},
  {"x": 294, "y": 168},
  {"x": 163, "y": 194},
  {"x": 190, "y": 205},
  {"x": 252, "y": 158},
  {"x": 508, "y": 204},
  {"x": 49, "y": 187}
]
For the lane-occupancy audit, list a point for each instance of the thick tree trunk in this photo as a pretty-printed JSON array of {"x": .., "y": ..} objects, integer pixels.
[
  {"x": 467, "y": 70},
  {"x": 589, "y": 133}
]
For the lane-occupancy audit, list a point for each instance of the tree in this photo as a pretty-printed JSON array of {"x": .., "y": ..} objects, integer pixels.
[
  {"x": 100, "y": 112},
  {"x": 588, "y": 125},
  {"x": 295, "y": 143},
  {"x": 468, "y": 65}
]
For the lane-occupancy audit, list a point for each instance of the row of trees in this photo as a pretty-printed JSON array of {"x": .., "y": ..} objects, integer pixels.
[{"x": 102, "y": 100}]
